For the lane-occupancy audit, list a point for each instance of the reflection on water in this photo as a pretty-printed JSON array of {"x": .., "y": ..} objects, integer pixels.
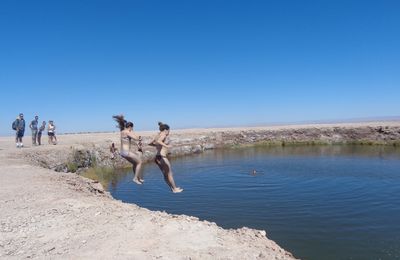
[
  {"x": 106, "y": 176},
  {"x": 318, "y": 202}
]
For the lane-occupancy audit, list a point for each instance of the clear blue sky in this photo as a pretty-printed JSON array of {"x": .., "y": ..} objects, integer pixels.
[{"x": 197, "y": 63}]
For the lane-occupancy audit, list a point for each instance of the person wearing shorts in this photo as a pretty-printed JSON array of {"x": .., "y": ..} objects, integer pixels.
[
  {"x": 20, "y": 130},
  {"x": 51, "y": 132}
]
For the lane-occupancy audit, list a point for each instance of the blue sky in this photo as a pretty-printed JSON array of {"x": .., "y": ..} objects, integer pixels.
[{"x": 197, "y": 63}]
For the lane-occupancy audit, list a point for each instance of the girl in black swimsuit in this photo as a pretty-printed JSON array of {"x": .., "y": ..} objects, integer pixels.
[{"x": 161, "y": 158}]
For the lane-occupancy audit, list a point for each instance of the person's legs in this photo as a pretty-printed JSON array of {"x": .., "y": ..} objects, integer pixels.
[
  {"x": 21, "y": 144},
  {"x": 20, "y": 134},
  {"x": 34, "y": 136},
  {"x": 137, "y": 167},
  {"x": 16, "y": 140},
  {"x": 168, "y": 175},
  {"x": 39, "y": 138},
  {"x": 164, "y": 169},
  {"x": 157, "y": 160},
  {"x": 52, "y": 138}
]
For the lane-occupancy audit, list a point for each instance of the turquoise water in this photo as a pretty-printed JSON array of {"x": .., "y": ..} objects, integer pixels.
[{"x": 318, "y": 202}]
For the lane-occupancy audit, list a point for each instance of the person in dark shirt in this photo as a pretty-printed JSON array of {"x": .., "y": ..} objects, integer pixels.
[{"x": 20, "y": 130}]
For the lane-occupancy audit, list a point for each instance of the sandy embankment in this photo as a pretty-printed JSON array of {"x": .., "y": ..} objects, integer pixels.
[{"x": 60, "y": 215}]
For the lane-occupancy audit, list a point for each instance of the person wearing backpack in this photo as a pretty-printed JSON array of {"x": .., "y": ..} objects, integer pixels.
[{"x": 19, "y": 127}]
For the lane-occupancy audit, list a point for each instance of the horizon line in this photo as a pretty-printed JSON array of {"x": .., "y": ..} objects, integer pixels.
[{"x": 291, "y": 123}]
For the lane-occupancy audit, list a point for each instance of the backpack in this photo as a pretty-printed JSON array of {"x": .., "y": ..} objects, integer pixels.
[{"x": 15, "y": 124}]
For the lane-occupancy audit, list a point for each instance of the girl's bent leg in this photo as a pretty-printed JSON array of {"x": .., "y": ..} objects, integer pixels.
[
  {"x": 139, "y": 172},
  {"x": 137, "y": 168},
  {"x": 132, "y": 160}
]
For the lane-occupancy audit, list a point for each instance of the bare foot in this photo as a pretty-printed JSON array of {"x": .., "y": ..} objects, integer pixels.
[
  {"x": 137, "y": 181},
  {"x": 141, "y": 180},
  {"x": 177, "y": 190}
]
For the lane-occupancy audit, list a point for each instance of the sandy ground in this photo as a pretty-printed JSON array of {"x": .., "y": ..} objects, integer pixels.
[{"x": 44, "y": 214}]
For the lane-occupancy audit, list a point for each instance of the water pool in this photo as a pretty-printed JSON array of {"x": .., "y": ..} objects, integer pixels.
[{"x": 318, "y": 202}]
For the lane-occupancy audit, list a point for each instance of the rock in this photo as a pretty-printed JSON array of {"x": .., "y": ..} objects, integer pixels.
[
  {"x": 97, "y": 187},
  {"x": 262, "y": 233},
  {"x": 209, "y": 146},
  {"x": 197, "y": 149}
]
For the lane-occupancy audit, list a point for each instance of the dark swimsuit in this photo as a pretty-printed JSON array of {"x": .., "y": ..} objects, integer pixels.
[{"x": 159, "y": 157}]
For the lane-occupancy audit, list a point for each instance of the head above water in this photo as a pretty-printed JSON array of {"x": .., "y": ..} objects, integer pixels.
[
  {"x": 163, "y": 127},
  {"x": 122, "y": 123}
]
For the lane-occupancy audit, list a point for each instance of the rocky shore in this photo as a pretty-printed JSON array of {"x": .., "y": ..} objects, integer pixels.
[
  {"x": 47, "y": 211},
  {"x": 84, "y": 154}
]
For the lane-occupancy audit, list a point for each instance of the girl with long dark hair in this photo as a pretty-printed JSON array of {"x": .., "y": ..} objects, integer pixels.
[{"x": 127, "y": 135}]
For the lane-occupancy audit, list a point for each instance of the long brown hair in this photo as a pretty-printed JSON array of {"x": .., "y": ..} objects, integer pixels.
[{"x": 121, "y": 121}]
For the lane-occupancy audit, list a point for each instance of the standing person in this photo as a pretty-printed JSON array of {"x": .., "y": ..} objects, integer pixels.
[
  {"x": 51, "y": 132},
  {"x": 162, "y": 145},
  {"x": 113, "y": 151},
  {"x": 39, "y": 135},
  {"x": 127, "y": 135},
  {"x": 55, "y": 136},
  {"x": 34, "y": 127},
  {"x": 19, "y": 127}
]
